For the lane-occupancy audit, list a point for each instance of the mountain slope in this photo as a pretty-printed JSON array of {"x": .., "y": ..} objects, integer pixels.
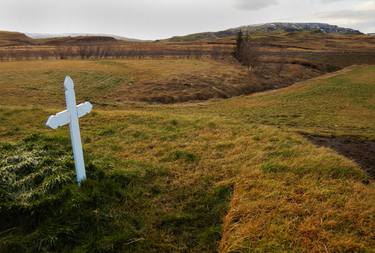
[
  {"x": 267, "y": 28},
  {"x": 59, "y": 35},
  {"x": 14, "y": 39}
]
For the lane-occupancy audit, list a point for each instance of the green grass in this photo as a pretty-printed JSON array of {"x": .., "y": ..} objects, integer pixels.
[
  {"x": 43, "y": 210},
  {"x": 230, "y": 175}
]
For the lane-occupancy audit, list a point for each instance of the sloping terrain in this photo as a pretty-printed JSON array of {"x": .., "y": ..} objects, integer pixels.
[
  {"x": 14, "y": 39},
  {"x": 234, "y": 175},
  {"x": 268, "y": 28},
  {"x": 285, "y": 205},
  {"x": 79, "y": 40},
  {"x": 153, "y": 81},
  {"x": 60, "y": 35}
]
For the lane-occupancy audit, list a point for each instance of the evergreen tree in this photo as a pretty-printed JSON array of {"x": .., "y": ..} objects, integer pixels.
[{"x": 239, "y": 42}]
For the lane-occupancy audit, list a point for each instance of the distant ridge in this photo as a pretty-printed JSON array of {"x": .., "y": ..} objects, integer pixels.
[
  {"x": 268, "y": 27},
  {"x": 16, "y": 38},
  {"x": 8, "y": 38},
  {"x": 59, "y": 35},
  {"x": 23, "y": 39},
  {"x": 295, "y": 27}
]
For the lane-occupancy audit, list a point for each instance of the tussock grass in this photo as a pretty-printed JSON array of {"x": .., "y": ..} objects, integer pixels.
[{"x": 43, "y": 210}]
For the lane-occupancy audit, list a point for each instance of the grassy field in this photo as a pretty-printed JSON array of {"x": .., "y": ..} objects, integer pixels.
[
  {"x": 116, "y": 82},
  {"x": 235, "y": 175}
]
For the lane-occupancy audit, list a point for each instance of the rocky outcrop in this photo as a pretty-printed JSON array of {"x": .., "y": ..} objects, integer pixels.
[{"x": 295, "y": 27}]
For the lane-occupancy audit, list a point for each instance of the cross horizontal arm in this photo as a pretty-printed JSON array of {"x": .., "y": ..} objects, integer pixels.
[{"x": 62, "y": 118}]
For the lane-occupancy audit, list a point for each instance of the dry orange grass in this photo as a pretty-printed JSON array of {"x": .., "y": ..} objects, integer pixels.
[{"x": 296, "y": 203}]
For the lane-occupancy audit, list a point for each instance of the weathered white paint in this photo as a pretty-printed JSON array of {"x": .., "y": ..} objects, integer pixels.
[
  {"x": 70, "y": 116},
  {"x": 62, "y": 118}
]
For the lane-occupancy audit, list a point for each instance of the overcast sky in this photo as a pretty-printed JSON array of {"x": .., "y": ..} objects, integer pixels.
[{"x": 154, "y": 19}]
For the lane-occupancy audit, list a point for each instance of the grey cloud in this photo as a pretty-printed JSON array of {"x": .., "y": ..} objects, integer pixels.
[
  {"x": 363, "y": 20},
  {"x": 330, "y": 1},
  {"x": 254, "y": 4},
  {"x": 154, "y": 19},
  {"x": 349, "y": 14}
]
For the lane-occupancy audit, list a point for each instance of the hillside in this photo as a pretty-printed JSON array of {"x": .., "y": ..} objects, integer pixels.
[
  {"x": 20, "y": 39},
  {"x": 238, "y": 175},
  {"x": 268, "y": 28},
  {"x": 14, "y": 39},
  {"x": 77, "y": 40},
  {"x": 59, "y": 35}
]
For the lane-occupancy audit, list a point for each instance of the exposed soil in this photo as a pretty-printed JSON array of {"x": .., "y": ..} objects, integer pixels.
[{"x": 360, "y": 151}]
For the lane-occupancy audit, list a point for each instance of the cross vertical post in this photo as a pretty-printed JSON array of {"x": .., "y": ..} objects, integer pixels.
[{"x": 75, "y": 135}]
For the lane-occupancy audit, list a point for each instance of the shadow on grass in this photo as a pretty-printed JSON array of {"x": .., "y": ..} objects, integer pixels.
[{"x": 115, "y": 210}]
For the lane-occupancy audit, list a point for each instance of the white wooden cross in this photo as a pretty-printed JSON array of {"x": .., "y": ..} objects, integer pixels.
[{"x": 70, "y": 116}]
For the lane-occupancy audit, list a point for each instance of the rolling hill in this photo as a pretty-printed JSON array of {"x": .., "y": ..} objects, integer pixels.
[
  {"x": 268, "y": 28},
  {"x": 14, "y": 38},
  {"x": 76, "y": 40},
  {"x": 59, "y": 35}
]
